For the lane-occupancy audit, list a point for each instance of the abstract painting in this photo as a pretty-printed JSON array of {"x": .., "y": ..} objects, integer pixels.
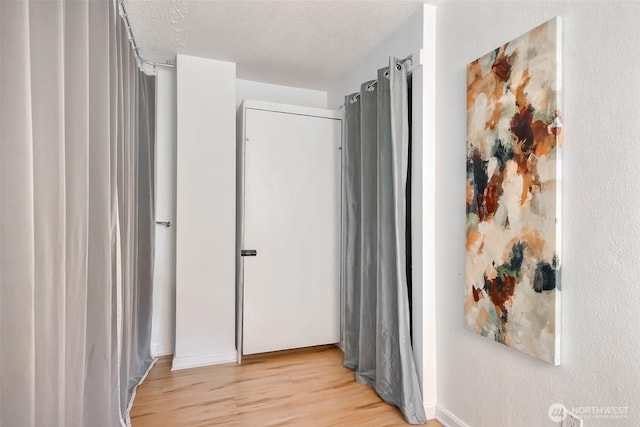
[{"x": 514, "y": 138}]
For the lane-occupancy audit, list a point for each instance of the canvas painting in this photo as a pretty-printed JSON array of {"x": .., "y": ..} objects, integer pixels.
[{"x": 514, "y": 139}]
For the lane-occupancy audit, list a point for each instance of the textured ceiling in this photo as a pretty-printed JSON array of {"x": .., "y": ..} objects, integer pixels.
[{"x": 302, "y": 43}]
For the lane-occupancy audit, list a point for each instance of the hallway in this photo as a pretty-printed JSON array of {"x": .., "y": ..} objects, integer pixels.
[{"x": 301, "y": 387}]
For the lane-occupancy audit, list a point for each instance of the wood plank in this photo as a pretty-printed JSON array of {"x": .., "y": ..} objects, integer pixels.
[{"x": 301, "y": 387}]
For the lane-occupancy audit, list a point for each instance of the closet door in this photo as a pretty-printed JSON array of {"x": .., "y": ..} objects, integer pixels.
[{"x": 291, "y": 220}]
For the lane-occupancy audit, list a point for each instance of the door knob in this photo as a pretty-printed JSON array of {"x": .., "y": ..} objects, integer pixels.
[{"x": 165, "y": 223}]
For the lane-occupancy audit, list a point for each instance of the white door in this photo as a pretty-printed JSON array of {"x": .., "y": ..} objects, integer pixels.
[{"x": 291, "y": 218}]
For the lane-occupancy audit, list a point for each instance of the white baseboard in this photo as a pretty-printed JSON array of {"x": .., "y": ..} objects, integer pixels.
[
  {"x": 448, "y": 418},
  {"x": 186, "y": 362},
  {"x": 430, "y": 409},
  {"x": 164, "y": 349}
]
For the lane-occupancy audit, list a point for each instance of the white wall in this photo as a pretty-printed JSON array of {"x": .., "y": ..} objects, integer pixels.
[
  {"x": 164, "y": 276},
  {"x": 416, "y": 34},
  {"x": 487, "y": 384},
  {"x": 247, "y": 89},
  {"x": 205, "y": 223},
  {"x": 402, "y": 43}
]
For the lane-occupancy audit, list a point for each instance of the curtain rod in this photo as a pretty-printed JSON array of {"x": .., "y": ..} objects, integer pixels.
[
  {"x": 398, "y": 64},
  {"x": 134, "y": 45}
]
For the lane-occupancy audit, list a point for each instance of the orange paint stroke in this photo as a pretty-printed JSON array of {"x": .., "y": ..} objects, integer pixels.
[
  {"x": 526, "y": 184},
  {"x": 521, "y": 96},
  {"x": 472, "y": 237},
  {"x": 495, "y": 117},
  {"x": 535, "y": 243},
  {"x": 469, "y": 193}
]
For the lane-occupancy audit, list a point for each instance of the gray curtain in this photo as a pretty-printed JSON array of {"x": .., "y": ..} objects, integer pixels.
[
  {"x": 376, "y": 335},
  {"x": 76, "y": 215}
]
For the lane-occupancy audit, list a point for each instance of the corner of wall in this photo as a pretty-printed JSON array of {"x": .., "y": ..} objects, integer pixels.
[
  {"x": 428, "y": 81},
  {"x": 430, "y": 409},
  {"x": 164, "y": 278},
  {"x": 248, "y": 89}
]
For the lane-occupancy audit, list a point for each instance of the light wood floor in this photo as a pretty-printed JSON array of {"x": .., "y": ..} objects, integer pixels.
[{"x": 303, "y": 388}]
